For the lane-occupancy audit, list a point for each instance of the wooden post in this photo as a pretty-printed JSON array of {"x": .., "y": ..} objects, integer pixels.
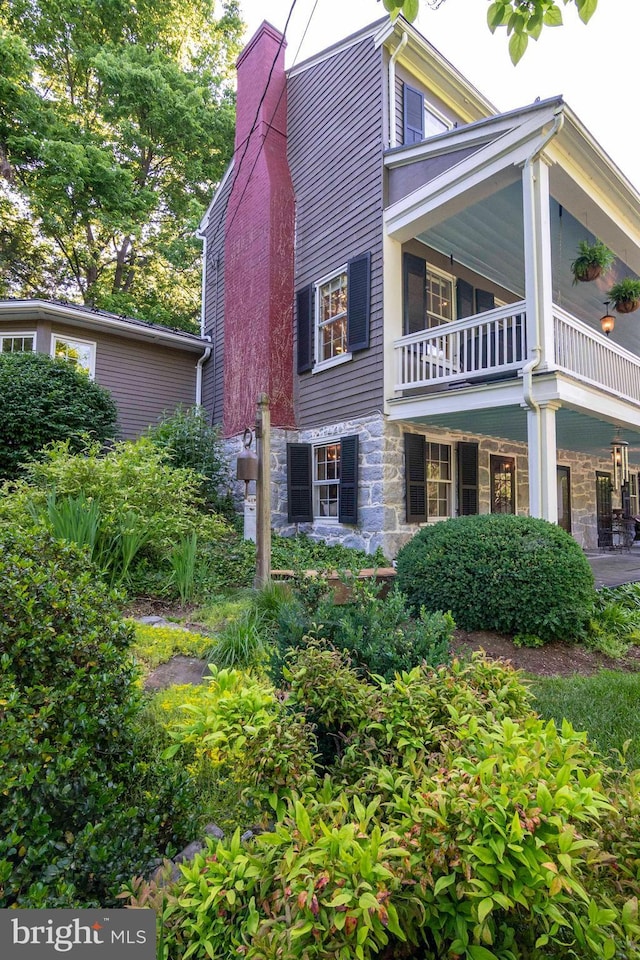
[{"x": 263, "y": 493}]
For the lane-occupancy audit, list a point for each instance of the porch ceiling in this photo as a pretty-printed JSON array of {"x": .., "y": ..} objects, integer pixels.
[
  {"x": 575, "y": 431},
  {"x": 487, "y": 237}
]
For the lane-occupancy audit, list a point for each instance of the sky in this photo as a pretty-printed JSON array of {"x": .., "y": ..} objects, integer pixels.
[{"x": 594, "y": 67}]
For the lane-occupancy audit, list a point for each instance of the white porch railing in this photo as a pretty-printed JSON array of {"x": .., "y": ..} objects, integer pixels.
[
  {"x": 586, "y": 354},
  {"x": 486, "y": 344}
]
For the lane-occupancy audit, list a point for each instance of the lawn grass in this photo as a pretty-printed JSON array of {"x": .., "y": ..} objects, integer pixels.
[{"x": 606, "y": 705}]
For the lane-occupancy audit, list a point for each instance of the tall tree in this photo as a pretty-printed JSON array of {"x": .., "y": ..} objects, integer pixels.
[
  {"x": 522, "y": 18},
  {"x": 116, "y": 121}
]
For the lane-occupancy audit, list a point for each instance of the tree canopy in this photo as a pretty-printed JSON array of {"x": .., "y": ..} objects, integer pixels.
[
  {"x": 116, "y": 122},
  {"x": 522, "y": 18}
]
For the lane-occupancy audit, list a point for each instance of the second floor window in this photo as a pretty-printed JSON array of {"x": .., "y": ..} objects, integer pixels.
[
  {"x": 439, "y": 298},
  {"x": 332, "y": 317}
]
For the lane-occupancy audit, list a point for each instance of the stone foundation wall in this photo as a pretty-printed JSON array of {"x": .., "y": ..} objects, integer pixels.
[{"x": 381, "y": 487}]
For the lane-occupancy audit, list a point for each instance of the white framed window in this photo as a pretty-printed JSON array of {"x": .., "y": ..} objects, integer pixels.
[
  {"x": 326, "y": 480},
  {"x": 439, "y": 480},
  {"x": 435, "y": 122},
  {"x": 331, "y": 320},
  {"x": 440, "y": 297},
  {"x": 81, "y": 353},
  {"x": 17, "y": 342}
]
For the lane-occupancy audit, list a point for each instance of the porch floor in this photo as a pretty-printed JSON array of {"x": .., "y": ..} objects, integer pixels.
[{"x": 613, "y": 568}]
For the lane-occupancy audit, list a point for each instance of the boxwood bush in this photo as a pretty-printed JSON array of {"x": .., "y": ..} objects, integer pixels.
[
  {"x": 45, "y": 400},
  {"x": 516, "y": 575},
  {"x": 83, "y": 801}
]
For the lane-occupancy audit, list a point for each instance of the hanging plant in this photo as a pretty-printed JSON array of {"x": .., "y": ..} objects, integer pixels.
[
  {"x": 592, "y": 260},
  {"x": 625, "y": 295}
]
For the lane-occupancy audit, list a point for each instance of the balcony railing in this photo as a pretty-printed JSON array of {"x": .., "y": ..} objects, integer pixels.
[
  {"x": 584, "y": 353},
  {"x": 478, "y": 347},
  {"x": 494, "y": 343}
]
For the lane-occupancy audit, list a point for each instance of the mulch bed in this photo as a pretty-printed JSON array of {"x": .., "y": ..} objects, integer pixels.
[{"x": 555, "y": 659}]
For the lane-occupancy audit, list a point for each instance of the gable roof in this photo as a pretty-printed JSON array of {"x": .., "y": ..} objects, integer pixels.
[{"x": 99, "y": 320}]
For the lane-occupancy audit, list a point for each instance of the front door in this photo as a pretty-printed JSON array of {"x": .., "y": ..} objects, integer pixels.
[
  {"x": 564, "y": 498},
  {"x": 603, "y": 509}
]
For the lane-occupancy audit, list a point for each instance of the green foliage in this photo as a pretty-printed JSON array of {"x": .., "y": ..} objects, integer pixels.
[
  {"x": 595, "y": 254},
  {"x": 516, "y": 575},
  {"x": 45, "y": 400},
  {"x": 82, "y": 802},
  {"x": 117, "y": 124},
  {"x": 522, "y": 18},
  {"x": 303, "y": 553},
  {"x": 241, "y": 643},
  {"x": 145, "y": 509},
  {"x": 623, "y": 291},
  {"x": 153, "y": 645},
  {"x": 191, "y": 441},
  {"x": 606, "y": 705},
  {"x": 456, "y": 823},
  {"x": 615, "y": 620}
]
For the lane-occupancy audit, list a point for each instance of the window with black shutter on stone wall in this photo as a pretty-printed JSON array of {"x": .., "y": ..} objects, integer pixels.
[
  {"x": 431, "y": 493},
  {"x": 322, "y": 481}
]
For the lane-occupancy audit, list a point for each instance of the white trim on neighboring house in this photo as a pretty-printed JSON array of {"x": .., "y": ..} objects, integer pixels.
[
  {"x": 204, "y": 223},
  {"x": 73, "y": 314},
  {"x": 90, "y": 366},
  {"x": 17, "y": 335}
]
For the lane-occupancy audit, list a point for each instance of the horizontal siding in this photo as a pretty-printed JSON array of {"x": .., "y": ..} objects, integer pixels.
[
  {"x": 335, "y": 154},
  {"x": 145, "y": 379},
  {"x": 213, "y": 371}
]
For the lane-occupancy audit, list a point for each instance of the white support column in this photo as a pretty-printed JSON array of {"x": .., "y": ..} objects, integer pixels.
[
  {"x": 541, "y": 435},
  {"x": 392, "y": 307},
  {"x": 537, "y": 260}
]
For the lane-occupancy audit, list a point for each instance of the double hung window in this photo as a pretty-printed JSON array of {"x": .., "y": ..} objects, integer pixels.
[
  {"x": 17, "y": 342},
  {"x": 331, "y": 310},
  {"x": 322, "y": 481}
]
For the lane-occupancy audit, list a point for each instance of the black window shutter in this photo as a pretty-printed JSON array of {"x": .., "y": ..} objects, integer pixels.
[
  {"x": 414, "y": 283},
  {"x": 415, "y": 459},
  {"x": 464, "y": 299},
  {"x": 304, "y": 311},
  {"x": 299, "y": 483},
  {"x": 348, "y": 512},
  {"x": 358, "y": 302},
  {"x": 484, "y": 301},
  {"x": 413, "y": 115},
  {"x": 467, "y": 479}
]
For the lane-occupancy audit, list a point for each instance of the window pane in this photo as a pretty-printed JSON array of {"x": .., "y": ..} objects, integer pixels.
[
  {"x": 503, "y": 498},
  {"x": 438, "y": 480},
  {"x": 326, "y": 474},
  {"x": 439, "y": 299},
  {"x": 22, "y": 344},
  {"x": 75, "y": 352},
  {"x": 332, "y": 317}
]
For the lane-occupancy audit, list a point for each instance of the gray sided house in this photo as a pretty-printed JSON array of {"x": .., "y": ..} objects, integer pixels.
[
  {"x": 148, "y": 369},
  {"x": 389, "y": 259}
]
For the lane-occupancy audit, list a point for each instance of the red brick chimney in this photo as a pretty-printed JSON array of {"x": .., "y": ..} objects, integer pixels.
[{"x": 259, "y": 236}]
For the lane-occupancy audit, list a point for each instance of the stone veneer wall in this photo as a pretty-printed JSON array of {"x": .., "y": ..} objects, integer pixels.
[
  {"x": 582, "y": 480},
  {"x": 381, "y": 488}
]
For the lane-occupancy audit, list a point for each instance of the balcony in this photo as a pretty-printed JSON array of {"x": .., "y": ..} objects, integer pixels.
[{"x": 493, "y": 346}]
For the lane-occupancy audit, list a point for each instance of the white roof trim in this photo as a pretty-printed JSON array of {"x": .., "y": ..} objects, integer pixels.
[
  {"x": 328, "y": 52},
  {"x": 77, "y": 315}
]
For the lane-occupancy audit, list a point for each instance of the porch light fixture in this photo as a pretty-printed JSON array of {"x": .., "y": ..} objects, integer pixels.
[
  {"x": 620, "y": 459},
  {"x": 607, "y": 322}
]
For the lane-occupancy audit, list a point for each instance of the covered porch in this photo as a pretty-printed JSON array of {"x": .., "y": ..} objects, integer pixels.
[{"x": 504, "y": 203}]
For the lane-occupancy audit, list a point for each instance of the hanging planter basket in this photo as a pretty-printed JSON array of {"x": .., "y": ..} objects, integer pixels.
[
  {"x": 625, "y": 295},
  {"x": 592, "y": 260},
  {"x": 627, "y": 306}
]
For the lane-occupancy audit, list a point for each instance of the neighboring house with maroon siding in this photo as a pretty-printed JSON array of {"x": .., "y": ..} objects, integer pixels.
[
  {"x": 148, "y": 369},
  {"x": 389, "y": 259}
]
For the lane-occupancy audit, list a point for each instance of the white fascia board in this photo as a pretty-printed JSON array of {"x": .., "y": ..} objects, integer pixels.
[
  {"x": 576, "y": 395},
  {"x": 205, "y": 220},
  {"x": 479, "y": 133},
  {"x": 461, "y": 400},
  {"x": 428, "y": 65},
  {"x": 86, "y": 318},
  {"x": 510, "y": 150},
  {"x": 369, "y": 31}
]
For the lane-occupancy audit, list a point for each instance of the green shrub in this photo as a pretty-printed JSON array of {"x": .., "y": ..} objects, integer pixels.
[
  {"x": 303, "y": 553},
  {"x": 380, "y": 635},
  {"x": 144, "y": 509},
  {"x": 190, "y": 441},
  {"x": 516, "y": 575},
  {"x": 82, "y": 801},
  {"x": 45, "y": 400},
  {"x": 241, "y": 643},
  {"x": 153, "y": 645},
  {"x": 469, "y": 828}
]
